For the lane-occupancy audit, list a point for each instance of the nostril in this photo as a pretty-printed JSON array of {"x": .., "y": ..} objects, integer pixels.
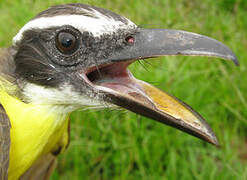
[{"x": 130, "y": 39}]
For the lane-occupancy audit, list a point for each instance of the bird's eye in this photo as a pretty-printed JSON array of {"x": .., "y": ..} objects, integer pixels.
[{"x": 66, "y": 43}]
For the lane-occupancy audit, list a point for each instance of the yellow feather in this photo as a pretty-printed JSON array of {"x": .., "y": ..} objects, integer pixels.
[{"x": 35, "y": 131}]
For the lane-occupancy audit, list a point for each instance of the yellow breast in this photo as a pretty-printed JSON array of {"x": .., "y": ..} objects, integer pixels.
[{"x": 35, "y": 131}]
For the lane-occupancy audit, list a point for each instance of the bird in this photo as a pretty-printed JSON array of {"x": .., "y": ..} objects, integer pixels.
[{"x": 76, "y": 56}]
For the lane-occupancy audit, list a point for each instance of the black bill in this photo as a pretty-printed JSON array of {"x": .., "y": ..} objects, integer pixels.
[{"x": 164, "y": 42}]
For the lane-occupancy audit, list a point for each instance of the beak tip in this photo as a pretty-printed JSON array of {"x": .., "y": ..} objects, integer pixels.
[
  {"x": 213, "y": 140},
  {"x": 234, "y": 58}
]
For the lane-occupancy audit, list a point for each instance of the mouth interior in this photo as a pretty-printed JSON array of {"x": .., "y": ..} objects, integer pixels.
[
  {"x": 118, "y": 78},
  {"x": 114, "y": 76},
  {"x": 148, "y": 101}
]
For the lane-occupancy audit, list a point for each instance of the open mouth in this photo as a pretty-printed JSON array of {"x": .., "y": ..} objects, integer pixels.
[
  {"x": 118, "y": 78},
  {"x": 126, "y": 91},
  {"x": 115, "y": 76}
]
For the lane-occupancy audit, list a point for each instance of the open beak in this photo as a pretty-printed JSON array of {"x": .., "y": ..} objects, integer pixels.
[{"x": 119, "y": 86}]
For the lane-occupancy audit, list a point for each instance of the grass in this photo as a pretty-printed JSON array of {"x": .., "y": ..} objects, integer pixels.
[{"x": 121, "y": 145}]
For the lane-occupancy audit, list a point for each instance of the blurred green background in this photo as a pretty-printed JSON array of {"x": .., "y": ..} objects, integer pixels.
[{"x": 111, "y": 144}]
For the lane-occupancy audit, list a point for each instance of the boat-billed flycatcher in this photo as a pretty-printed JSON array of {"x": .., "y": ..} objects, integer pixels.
[{"x": 76, "y": 56}]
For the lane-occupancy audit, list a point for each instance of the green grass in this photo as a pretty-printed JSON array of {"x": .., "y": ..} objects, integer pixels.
[{"x": 121, "y": 145}]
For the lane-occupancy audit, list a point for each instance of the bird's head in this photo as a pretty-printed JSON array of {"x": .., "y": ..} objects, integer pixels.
[{"x": 77, "y": 56}]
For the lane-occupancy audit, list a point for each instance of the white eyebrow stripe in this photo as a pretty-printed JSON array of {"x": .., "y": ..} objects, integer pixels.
[{"x": 97, "y": 26}]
